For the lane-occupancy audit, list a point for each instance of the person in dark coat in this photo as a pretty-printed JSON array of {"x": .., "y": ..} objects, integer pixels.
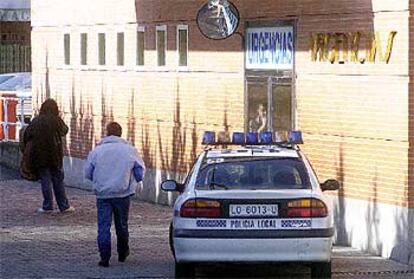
[{"x": 45, "y": 133}]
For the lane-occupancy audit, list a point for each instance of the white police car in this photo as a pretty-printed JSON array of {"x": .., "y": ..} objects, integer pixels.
[{"x": 258, "y": 202}]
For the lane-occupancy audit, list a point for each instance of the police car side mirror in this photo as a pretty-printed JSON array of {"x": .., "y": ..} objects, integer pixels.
[
  {"x": 330, "y": 185},
  {"x": 171, "y": 186}
]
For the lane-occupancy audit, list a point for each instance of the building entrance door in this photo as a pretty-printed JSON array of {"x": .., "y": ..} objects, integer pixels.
[
  {"x": 269, "y": 103},
  {"x": 269, "y": 72}
]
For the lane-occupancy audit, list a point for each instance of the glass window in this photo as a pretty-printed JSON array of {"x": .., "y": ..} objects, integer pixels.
[
  {"x": 282, "y": 107},
  {"x": 120, "y": 49},
  {"x": 257, "y": 107},
  {"x": 161, "y": 45},
  {"x": 269, "y": 103},
  {"x": 84, "y": 48},
  {"x": 102, "y": 46},
  {"x": 66, "y": 48},
  {"x": 182, "y": 45},
  {"x": 254, "y": 173},
  {"x": 140, "y": 48}
]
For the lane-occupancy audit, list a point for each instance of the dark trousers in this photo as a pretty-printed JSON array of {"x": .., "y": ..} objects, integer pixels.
[
  {"x": 119, "y": 208},
  {"x": 55, "y": 177}
]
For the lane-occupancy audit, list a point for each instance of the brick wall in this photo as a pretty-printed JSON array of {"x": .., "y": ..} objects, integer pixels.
[
  {"x": 15, "y": 32},
  {"x": 356, "y": 118},
  {"x": 411, "y": 111}
]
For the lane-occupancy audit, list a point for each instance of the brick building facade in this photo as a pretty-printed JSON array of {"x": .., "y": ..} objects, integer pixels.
[
  {"x": 15, "y": 33},
  {"x": 146, "y": 64}
]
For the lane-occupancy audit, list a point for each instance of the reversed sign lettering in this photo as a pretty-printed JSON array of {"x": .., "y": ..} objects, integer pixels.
[
  {"x": 356, "y": 47},
  {"x": 14, "y": 15},
  {"x": 270, "y": 48}
]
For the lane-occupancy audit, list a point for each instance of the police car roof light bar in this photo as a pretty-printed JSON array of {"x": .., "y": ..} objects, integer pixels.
[
  {"x": 209, "y": 137},
  {"x": 252, "y": 138},
  {"x": 238, "y": 138},
  {"x": 266, "y": 137},
  {"x": 295, "y": 137}
]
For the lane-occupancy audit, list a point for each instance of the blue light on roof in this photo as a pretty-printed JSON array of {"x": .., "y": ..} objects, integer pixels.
[
  {"x": 295, "y": 137},
  {"x": 266, "y": 137},
  {"x": 252, "y": 138},
  {"x": 280, "y": 138},
  {"x": 238, "y": 138},
  {"x": 209, "y": 137}
]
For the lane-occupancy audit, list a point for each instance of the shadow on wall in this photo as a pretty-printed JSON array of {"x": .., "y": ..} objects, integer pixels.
[
  {"x": 82, "y": 135},
  {"x": 131, "y": 119},
  {"x": 373, "y": 216},
  {"x": 173, "y": 163},
  {"x": 106, "y": 110},
  {"x": 374, "y": 243},
  {"x": 342, "y": 236},
  {"x": 411, "y": 135},
  {"x": 44, "y": 87},
  {"x": 82, "y": 132}
]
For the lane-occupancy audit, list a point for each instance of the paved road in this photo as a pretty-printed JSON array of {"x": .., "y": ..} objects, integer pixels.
[
  {"x": 7, "y": 174},
  {"x": 64, "y": 245}
]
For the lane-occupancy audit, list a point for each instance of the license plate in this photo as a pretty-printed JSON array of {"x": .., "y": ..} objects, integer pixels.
[{"x": 253, "y": 210}]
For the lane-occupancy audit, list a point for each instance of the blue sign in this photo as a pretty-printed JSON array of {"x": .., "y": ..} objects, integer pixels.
[{"x": 270, "y": 48}]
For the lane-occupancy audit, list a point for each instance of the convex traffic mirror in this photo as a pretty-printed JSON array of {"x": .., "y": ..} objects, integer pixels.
[{"x": 218, "y": 19}]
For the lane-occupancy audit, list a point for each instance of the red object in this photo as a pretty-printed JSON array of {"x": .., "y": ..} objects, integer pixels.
[
  {"x": 201, "y": 208},
  {"x": 11, "y": 115},
  {"x": 307, "y": 212}
]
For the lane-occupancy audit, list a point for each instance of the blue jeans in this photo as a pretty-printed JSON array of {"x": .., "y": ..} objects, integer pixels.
[
  {"x": 119, "y": 208},
  {"x": 55, "y": 177}
]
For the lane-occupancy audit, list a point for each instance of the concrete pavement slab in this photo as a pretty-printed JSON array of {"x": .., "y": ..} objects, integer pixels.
[{"x": 64, "y": 245}]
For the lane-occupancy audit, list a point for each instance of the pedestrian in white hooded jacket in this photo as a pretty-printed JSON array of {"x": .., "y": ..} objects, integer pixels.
[{"x": 115, "y": 168}]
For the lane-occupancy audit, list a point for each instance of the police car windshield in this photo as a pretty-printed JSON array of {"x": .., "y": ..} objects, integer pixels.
[{"x": 254, "y": 173}]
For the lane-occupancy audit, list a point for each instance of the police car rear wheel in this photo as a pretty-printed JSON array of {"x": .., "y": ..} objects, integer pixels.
[
  {"x": 184, "y": 270},
  {"x": 321, "y": 270},
  {"x": 170, "y": 238}
]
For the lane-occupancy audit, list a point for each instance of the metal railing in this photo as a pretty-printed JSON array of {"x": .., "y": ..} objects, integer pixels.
[{"x": 23, "y": 111}]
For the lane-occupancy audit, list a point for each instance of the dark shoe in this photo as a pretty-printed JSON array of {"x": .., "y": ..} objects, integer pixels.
[
  {"x": 122, "y": 257},
  {"x": 104, "y": 263}
]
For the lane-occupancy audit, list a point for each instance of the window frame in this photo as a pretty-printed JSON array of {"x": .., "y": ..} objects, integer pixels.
[
  {"x": 67, "y": 49},
  {"x": 83, "y": 38},
  {"x": 104, "y": 49},
  {"x": 181, "y": 27},
  {"x": 162, "y": 28},
  {"x": 140, "y": 29},
  {"x": 118, "y": 65}
]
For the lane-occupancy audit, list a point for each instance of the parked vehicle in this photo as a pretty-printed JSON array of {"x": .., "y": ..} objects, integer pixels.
[
  {"x": 257, "y": 202},
  {"x": 5, "y": 77},
  {"x": 21, "y": 85},
  {"x": 16, "y": 82}
]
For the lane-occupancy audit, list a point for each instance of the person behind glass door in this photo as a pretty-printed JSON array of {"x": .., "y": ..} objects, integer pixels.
[{"x": 259, "y": 122}]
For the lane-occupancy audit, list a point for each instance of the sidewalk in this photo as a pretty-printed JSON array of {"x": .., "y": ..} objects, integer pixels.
[{"x": 64, "y": 245}]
